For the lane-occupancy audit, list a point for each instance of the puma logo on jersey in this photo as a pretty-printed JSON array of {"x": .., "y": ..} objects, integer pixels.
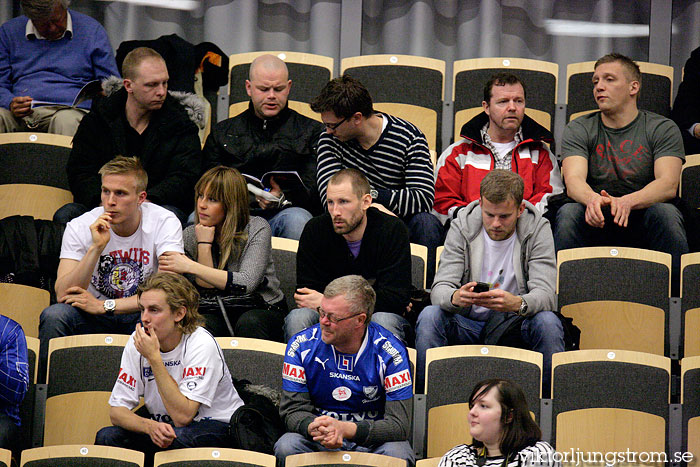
[{"x": 323, "y": 363}]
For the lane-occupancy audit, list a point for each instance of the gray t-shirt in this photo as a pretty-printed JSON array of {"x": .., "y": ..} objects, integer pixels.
[{"x": 621, "y": 160}]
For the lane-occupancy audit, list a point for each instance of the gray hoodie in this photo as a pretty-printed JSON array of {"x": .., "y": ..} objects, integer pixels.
[{"x": 534, "y": 260}]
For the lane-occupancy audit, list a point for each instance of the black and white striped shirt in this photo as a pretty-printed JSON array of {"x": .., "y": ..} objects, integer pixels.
[
  {"x": 398, "y": 166},
  {"x": 539, "y": 455}
]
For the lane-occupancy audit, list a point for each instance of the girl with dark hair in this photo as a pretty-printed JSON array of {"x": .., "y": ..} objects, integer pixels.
[
  {"x": 504, "y": 434},
  {"x": 228, "y": 252}
]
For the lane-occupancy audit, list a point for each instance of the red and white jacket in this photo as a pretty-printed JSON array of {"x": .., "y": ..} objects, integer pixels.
[{"x": 463, "y": 165}]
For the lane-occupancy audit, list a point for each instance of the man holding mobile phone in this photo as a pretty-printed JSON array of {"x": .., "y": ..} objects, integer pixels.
[{"x": 502, "y": 244}]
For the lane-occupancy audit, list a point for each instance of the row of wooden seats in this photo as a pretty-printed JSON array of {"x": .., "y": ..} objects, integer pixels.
[
  {"x": 631, "y": 391},
  {"x": 80, "y": 454}
]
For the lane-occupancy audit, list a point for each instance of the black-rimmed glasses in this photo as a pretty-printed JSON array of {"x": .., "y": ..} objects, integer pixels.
[
  {"x": 334, "y": 126},
  {"x": 322, "y": 314}
]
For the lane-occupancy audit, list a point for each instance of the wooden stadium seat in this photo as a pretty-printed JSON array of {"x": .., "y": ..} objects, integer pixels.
[
  {"x": 419, "y": 261},
  {"x": 81, "y": 371},
  {"x": 438, "y": 253},
  {"x": 610, "y": 379},
  {"x": 600, "y": 288},
  {"x": 308, "y": 72},
  {"x": 470, "y": 76},
  {"x": 35, "y": 158},
  {"x": 690, "y": 304},
  {"x": 24, "y": 304},
  {"x": 284, "y": 255},
  {"x": 452, "y": 372},
  {"x": 256, "y": 360},
  {"x": 431, "y": 462},
  {"x": 5, "y": 458},
  {"x": 656, "y": 94},
  {"x": 690, "y": 398},
  {"x": 406, "y": 86},
  {"x": 212, "y": 457},
  {"x": 81, "y": 455},
  {"x": 689, "y": 188},
  {"x": 39, "y": 201},
  {"x": 344, "y": 458}
]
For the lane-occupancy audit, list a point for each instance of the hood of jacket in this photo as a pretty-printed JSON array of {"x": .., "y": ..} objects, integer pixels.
[
  {"x": 192, "y": 103},
  {"x": 531, "y": 129}
]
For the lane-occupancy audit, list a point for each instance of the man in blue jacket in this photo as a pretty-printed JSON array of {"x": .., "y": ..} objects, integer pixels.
[{"x": 14, "y": 379}]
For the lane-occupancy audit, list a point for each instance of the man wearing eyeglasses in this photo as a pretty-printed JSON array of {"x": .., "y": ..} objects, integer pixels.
[
  {"x": 392, "y": 153},
  {"x": 353, "y": 239},
  {"x": 346, "y": 381}
]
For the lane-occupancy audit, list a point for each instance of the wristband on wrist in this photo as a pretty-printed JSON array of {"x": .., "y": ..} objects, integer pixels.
[{"x": 204, "y": 243}]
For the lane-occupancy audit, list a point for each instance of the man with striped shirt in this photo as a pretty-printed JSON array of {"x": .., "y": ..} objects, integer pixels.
[{"x": 391, "y": 152}]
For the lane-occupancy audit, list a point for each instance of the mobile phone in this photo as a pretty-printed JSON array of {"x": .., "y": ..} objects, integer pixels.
[{"x": 481, "y": 287}]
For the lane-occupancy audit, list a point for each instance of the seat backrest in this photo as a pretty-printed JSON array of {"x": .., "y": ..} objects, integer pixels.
[
  {"x": 432, "y": 462},
  {"x": 419, "y": 262},
  {"x": 26, "y": 409},
  {"x": 81, "y": 455},
  {"x": 308, "y": 72},
  {"x": 35, "y": 158},
  {"x": 5, "y": 458},
  {"x": 212, "y": 457},
  {"x": 344, "y": 458},
  {"x": 606, "y": 430},
  {"x": 587, "y": 379},
  {"x": 438, "y": 253},
  {"x": 690, "y": 398},
  {"x": 598, "y": 274},
  {"x": 412, "y": 81},
  {"x": 656, "y": 94},
  {"x": 38, "y": 201},
  {"x": 689, "y": 190},
  {"x": 470, "y": 76},
  {"x": 81, "y": 372},
  {"x": 284, "y": 255},
  {"x": 690, "y": 304},
  {"x": 256, "y": 360},
  {"x": 24, "y": 304},
  {"x": 459, "y": 368}
]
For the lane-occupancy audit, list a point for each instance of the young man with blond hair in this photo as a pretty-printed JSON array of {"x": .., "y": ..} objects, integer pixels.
[{"x": 106, "y": 253}]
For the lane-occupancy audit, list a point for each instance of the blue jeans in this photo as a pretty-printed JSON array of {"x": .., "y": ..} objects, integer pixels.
[
  {"x": 201, "y": 434},
  {"x": 293, "y": 443},
  {"x": 289, "y": 223},
  {"x": 301, "y": 318},
  {"x": 426, "y": 229},
  {"x": 659, "y": 227},
  {"x": 61, "y": 319},
  {"x": 437, "y": 328}
]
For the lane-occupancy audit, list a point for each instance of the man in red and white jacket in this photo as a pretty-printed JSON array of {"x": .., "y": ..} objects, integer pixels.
[{"x": 501, "y": 137}]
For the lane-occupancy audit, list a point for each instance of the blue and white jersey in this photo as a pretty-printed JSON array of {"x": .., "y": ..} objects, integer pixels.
[{"x": 349, "y": 387}]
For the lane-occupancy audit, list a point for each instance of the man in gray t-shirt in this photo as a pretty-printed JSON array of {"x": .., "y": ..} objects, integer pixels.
[{"x": 622, "y": 166}]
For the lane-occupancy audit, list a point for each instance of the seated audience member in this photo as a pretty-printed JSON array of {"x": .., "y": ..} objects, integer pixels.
[
  {"x": 622, "y": 167},
  {"x": 142, "y": 120},
  {"x": 391, "y": 152},
  {"x": 503, "y": 241},
  {"x": 501, "y": 137},
  {"x": 49, "y": 55},
  {"x": 686, "y": 107},
  {"x": 178, "y": 369},
  {"x": 351, "y": 238},
  {"x": 106, "y": 253},
  {"x": 269, "y": 136},
  {"x": 14, "y": 380},
  {"x": 228, "y": 249},
  {"x": 502, "y": 430},
  {"x": 346, "y": 382}
]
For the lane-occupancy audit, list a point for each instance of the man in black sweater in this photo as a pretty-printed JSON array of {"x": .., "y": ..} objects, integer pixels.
[{"x": 353, "y": 239}]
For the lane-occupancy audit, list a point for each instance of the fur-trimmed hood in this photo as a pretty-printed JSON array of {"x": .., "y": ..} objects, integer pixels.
[{"x": 193, "y": 104}]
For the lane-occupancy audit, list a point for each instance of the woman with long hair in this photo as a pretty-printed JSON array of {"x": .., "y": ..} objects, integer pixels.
[
  {"x": 503, "y": 432},
  {"x": 228, "y": 252}
]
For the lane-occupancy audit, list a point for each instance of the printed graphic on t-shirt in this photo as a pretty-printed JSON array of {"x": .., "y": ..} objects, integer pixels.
[{"x": 120, "y": 272}]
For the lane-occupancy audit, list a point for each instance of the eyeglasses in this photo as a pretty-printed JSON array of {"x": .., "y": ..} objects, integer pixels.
[
  {"x": 322, "y": 314},
  {"x": 333, "y": 126}
]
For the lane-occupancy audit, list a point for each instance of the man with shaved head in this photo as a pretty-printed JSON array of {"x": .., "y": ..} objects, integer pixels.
[{"x": 269, "y": 136}]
